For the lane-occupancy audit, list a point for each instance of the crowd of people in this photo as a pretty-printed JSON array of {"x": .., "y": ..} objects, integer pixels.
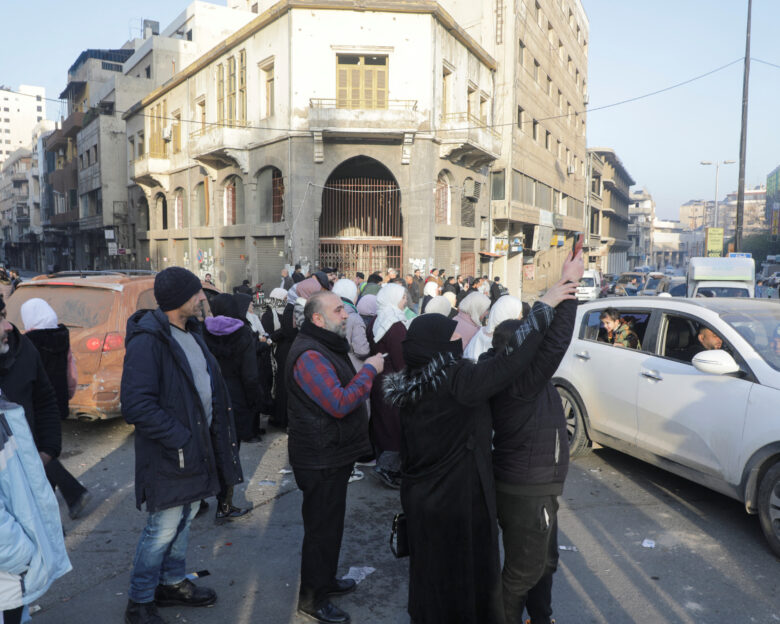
[{"x": 438, "y": 386}]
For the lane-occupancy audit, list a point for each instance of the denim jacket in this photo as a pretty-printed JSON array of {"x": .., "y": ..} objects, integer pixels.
[{"x": 32, "y": 548}]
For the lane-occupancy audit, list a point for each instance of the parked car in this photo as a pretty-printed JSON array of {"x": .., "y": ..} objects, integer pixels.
[
  {"x": 629, "y": 283},
  {"x": 675, "y": 286},
  {"x": 95, "y": 307},
  {"x": 650, "y": 287},
  {"x": 589, "y": 287},
  {"x": 709, "y": 416}
]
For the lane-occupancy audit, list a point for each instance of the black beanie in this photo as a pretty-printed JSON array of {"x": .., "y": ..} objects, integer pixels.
[
  {"x": 174, "y": 286},
  {"x": 322, "y": 278}
]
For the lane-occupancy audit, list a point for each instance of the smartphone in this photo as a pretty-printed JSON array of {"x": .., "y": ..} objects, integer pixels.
[
  {"x": 576, "y": 243},
  {"x": 384, "y": 355}
]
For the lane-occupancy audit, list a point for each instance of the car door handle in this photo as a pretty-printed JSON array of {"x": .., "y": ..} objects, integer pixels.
[
  {"x": 650, "y": 374},
  {"x": 583, "y": 355}
]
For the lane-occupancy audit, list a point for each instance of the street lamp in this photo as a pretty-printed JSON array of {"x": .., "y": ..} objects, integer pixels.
[{"x": 717, "y": 168}]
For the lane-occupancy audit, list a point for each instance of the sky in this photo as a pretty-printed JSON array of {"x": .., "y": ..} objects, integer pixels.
[{"x": 635, "y": 47}]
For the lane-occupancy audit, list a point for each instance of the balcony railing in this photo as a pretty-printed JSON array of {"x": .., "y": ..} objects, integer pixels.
[
  {"x": 213, "y": 127},
  {"x": 469, "y": 122},
  {"x": 364, "y": 104},
  {"x": 468, "y": 139}
]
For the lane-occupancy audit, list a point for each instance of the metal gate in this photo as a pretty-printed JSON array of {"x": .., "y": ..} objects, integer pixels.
[
  {"x": 467, "y": 257},
  {"x": 360, "y": 225}
]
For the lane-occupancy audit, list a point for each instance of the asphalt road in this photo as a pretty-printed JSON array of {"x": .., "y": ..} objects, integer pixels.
[{"x": 710, "y": 563}]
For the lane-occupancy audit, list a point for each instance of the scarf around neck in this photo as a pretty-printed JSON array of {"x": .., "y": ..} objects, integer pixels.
[{"x": 330, "y": 339}]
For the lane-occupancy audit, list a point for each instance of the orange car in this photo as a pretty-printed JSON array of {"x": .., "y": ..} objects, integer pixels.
[{"x": 94, "y": 306}]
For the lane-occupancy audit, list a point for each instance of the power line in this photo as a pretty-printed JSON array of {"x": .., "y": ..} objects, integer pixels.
[{"x": 201, "y": 123}]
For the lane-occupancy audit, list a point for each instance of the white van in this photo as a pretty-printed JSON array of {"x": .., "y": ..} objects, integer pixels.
[
  {"x": 722, "y": 277},
  {"x": 589, "y": 286}
]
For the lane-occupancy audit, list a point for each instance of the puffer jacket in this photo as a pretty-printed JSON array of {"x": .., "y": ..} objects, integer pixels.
[
  {"x": 32, "y": 548},
  {"x": 356, "y": 335},
  {"x": 178, "y": 458}
]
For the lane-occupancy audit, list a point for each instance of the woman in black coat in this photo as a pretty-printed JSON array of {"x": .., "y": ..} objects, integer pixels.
[{"x": 447, "y": 489}]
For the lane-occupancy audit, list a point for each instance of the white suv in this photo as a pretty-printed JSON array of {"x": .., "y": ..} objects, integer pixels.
[
  {"x": 589, "y": 287},
  {"x": 707, "y": 415}
]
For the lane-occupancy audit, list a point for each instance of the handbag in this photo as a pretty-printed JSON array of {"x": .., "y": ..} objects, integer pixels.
[{"x": 399, "y": 538}]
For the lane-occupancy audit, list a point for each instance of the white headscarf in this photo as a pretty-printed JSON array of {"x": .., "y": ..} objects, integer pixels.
[
  {"x": 387, "y": 311},
  {"x": 505, "y": 308},
  {"x": 450, "y": 296},
  {"x": 431, "y": 289},
  {"x": 438, "y": 305},
  {"x": 475, "y": 305},
  {"x": 346, "y": 289},
  {"x": 37, "y": 314}
]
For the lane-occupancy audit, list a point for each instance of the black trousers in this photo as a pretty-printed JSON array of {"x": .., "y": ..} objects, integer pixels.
[
  {"x": 323, "y": 509},
  {"x": 529, "y": 526},
  {"x": 59, "y": 476},
  {"x": 13, "y": 616}
]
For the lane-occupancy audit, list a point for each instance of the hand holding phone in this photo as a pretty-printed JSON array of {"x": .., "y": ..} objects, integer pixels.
[{"x": 576, "y": 243}]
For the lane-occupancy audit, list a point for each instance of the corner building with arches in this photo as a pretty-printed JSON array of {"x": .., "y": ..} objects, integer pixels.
[{"x": 321, "y": 133}]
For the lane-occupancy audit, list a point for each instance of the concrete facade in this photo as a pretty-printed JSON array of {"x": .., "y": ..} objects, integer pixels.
[
  {"x": 20, "y": 110},
  {"x": 641, "y": 212},
  {"x": 612, "y": 253},
  {"x": 14, "y": 210},
  {"x": 210, "y": 177},
  {"x": 670, "y": 245}
]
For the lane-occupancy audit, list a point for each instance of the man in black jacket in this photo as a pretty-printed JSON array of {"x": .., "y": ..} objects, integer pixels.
[
  {"x": 185, "y": 442},
  {"x": 328, "y": 432},
  {"x": 530, "y": 462}
]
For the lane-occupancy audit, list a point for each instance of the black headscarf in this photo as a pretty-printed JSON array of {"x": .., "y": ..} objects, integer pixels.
[
  {"x": 243, "y": 301},
  {"x": 226, "y": 305},
  {"x": 428, "y": 335}
]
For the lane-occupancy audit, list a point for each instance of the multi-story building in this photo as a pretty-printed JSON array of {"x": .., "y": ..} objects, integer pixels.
[
  {"x": 641, "y": 213},
  {"x": 753, "y": 212},
  {"x": 610, "y": 255},
  {"x": 19, "y": 112},
  {"x": 14, "y": 211},
  {"x": 670, "y": 245},
  {"x": 99, "y": 229},
  {"x": 697, "y": 213},
  {"x": 540, "y": 180},
  {"x": 356, "y": 136},
  {"x": 594, "y": 202}
]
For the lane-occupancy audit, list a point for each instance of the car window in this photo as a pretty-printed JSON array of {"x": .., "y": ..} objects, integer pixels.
[
  {"x": 587, "y": 282},
  {"x": 761, "y": 329},
  {"x": 76, "y": 306},
  {"x": 632, "y": 328},
  {"x": 146, "y": 300},
  {"x": 652, "y": 283},
  {"x": 722, "y": 291},
  {"x": 678, "y": 290}
]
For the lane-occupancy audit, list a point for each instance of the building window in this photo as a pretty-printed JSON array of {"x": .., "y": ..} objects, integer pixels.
[
  {"x": 560, "y": 100},
  {"x": 558, "y": 150},
  {"x": 521, "y": 53},
  {"x": 536, "y": 71},
  {"x": 536, "y": 130},
  {"x": 231, "y": 91},
  {"x": 539, "y": 16},
  {"x": 40, "y": 118},
  {"x": 131, "y": 149},
  {"x": 39, "y": 108},
  {"x": 548, "y": 140},
  {"x": 254, "y": 8},
  {"x": 220, "y": 93},
  {"x": 484, "y": 106},
  {"x": 180, "y": 220},
  {"x": 471, "y": 93},
  {"x": 446, "y": 82},
  {"x": 176, "y": 132},
  {"x": 201, "y": 115},
  {"x": 141, "y": 147},
  {"x": 242, "y": 87},
  {"x": 362, "y": 81},
  {"x": 443, "y": 200},
  {"x": 521, "y": 118},
  {"x": 148, "y": 71},
  {"x": 267, "y": 79},
  {"x": 277, "y": 185},
  {"x": 549, "y": 86},
  {"x": 498, "y": 185},
  {"x": 95, "y": 154}
]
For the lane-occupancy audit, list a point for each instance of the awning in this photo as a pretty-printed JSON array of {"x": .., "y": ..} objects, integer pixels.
[{"x": 490, "y": 254}]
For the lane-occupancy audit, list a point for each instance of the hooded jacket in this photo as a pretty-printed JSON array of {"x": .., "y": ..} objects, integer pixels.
[
  {"x": 32, "y": 548},
  {"x": 23, "y": 380},
  {"x": 177, "y": 455}
]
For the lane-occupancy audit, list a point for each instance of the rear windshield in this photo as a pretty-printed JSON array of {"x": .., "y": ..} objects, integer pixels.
[
  {"x": 722, "y": 291},
  {"x": 652, "y": 283},
  {"x": 587, "y": 282},
  {"x": 75, "y": 306}
]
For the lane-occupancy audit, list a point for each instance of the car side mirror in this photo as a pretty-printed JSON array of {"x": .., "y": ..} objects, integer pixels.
[{"x": 715, "y": 362}]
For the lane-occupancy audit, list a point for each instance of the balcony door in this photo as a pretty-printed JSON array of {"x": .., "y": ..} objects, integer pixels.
[{"x": 362, "y": 81}]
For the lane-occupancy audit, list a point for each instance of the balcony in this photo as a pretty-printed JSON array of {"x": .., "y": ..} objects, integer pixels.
[
  {"x": 56, "y": 141},
  {"x": 20, "y": 176},
  {"x": 223, "y": 145},
  {"x": 72, "y": 125},
  {"x": 468, "y": 140},
  {"x": 364, "y": 117},
  {"x": 150, "y": 169},
  {"x": 91, "y": 223},
  {"x": 64, "y": 218},
  {"x": 65, "y": 179}
]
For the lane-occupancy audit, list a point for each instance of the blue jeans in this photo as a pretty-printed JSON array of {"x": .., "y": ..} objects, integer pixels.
[{"x": 159, "y": 558}]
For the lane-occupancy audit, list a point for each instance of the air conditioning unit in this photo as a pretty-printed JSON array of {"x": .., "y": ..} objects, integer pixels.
[
  {"x": 570, "y": 170},
  {"x": 472, "y": 189},
  {"x": 167, "y": 134}
]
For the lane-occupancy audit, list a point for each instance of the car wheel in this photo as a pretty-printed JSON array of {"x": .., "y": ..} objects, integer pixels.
[
  {"x": 769, "y": 507},
  {"x": 575, "y": 423}
]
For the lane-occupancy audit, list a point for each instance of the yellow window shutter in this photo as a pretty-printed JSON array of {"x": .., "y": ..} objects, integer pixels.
[
  {"x": 355, "y": 90},
  {"x": 342, "y": 92}
]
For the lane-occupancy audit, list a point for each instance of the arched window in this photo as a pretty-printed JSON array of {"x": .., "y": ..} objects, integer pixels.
[
  {"x": 161, "y": 211},
  {"x": 180, "y": 218},
  {"x": 270, "y": 192},
  {"x": 443, "y": 199},
  {"x": 233, "y": 201}
]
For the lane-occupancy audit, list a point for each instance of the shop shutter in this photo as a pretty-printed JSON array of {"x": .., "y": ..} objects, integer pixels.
[
  {"x": 443, "y": 254},
  {"x": 269, "y": 261},
  {"x": 235, "y": 263}
]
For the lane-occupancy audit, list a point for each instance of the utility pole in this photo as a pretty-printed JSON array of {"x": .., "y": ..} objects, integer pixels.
[{"x": 743, "y": 140}]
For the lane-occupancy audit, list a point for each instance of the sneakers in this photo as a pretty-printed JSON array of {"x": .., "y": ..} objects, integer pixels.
[
  {"x": 356, "y": 475},
  {"x": 184, "y": 593},
  {"x": 75, "y": 510},
  {"x": 387, "y": 478},
  {"x": 142, "y": 613}
]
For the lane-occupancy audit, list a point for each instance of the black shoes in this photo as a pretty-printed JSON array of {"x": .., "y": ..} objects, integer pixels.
[
  {"x": 142, "y": 613},
  {"x": 387, "y": 478},
  {"x": 339, "y": 587},
  {"x": 226, "y": 513},
  {"x": 184, "y": 593},
  {"x": 327, "y": 613},
  {"x": 75, "y": 510}
]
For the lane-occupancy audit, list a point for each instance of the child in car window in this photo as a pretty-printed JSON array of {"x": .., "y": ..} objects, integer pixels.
[{"x": 619, "y": 331}]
